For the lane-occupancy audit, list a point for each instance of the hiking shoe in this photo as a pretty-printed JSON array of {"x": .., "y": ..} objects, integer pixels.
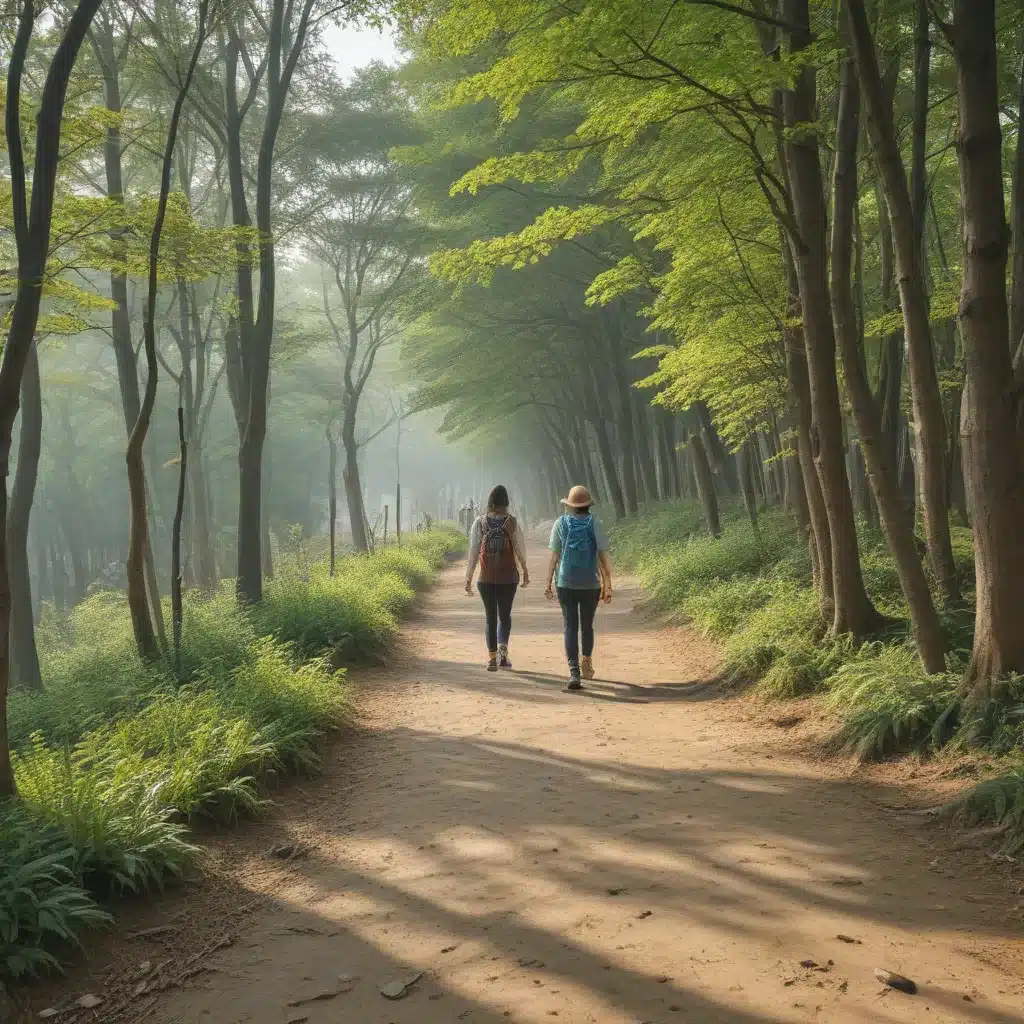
[
  {"x": 587, "y": 668},
  {"x": 503, "y": 659},
  {"x": 492, "y": 663},
  {"x": 574, "y": 679}
]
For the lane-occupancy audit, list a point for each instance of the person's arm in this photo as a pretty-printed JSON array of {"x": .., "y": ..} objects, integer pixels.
[
  {"x": 519, "y": 548},
  {"x": 474, "y": 555},
  {"x": 604, "y": 562},
  {"x": 555, "y": 546},
  {"x": 549, "y": 591}
]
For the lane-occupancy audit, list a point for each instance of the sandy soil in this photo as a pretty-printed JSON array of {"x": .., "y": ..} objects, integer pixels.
[{"x": 646, "y": 851}]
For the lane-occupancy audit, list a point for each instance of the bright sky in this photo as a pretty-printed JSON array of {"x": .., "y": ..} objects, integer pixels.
[{"x": 352, "y": 47}]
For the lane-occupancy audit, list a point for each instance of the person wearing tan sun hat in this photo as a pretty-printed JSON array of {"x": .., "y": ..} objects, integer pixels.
[{"x": 579, "y": 551}]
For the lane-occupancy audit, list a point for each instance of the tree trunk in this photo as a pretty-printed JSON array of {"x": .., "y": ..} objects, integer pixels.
[
  {"x": 138, "y": 539},
  {"x": 177, "y": 605},
  {"x": 642, "y": 432},
  {"x": 332, "y": 496},
  {"x": 32, "y": 238},
  {"x": 927, "y": 631},
  {"x": 854, "y": 612},
  {"x": 929, "y": 419},
  {"x": 818, "y": 537},
  {"x": 705, "y": 483},
  {"x": 993, "y": 465},
  {"x": 353, "y": 487},
  {"x": 716, "y": 452},
  {"x": 747, "y": 483},
  {"x": 24, "y": 658},
  {"x": 627, "y": 445},
  {"x": 1017, "y": 229}
]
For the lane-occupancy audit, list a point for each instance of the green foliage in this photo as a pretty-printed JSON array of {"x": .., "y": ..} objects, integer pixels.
[
  {"x": 998, "y": 801},
  {"x": 355, "y": 612},
  {"x": 889, "y": 704},
  {"x": 41, "y": 904}
]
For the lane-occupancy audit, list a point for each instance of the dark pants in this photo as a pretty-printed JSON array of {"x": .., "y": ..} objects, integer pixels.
[
  {"x": 578, "y": 610},
  {"x": 497, "y": 599}
]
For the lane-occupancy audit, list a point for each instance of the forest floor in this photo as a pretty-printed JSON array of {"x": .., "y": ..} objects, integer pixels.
[{"x": 653, "y": 849}]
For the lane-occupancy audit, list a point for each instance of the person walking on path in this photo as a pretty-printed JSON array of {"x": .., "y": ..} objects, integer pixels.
[
  {"x": 579, "y": 551},
  {"x": 496, "y": 543}
]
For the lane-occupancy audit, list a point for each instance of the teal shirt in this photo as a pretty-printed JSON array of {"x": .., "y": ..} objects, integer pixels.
[{"x": 555, "y": 544}]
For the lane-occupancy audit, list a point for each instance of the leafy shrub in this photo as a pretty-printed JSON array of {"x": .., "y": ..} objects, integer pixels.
[
  {"x": 120, "y": 833},
  {"x": 997, "y": 801},
  {"x": 720, "y": 609},
  {"x": 789, "y": 629},
  {"x": 996, "y": 726},
  {"x": 889, "y": 704},
  {"x": 41, "y": 904},
  {"x": 292, "y": 706}
]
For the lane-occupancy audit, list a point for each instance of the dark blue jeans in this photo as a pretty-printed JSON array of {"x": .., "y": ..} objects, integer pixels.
[
  {"x": 497, "y": 599},
  {"x": 578, "y": 610}
]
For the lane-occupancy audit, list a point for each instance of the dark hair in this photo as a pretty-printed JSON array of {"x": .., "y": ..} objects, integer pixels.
[
  {"x": 582, "y": 510},
  {"x": 498, "y": 498}
]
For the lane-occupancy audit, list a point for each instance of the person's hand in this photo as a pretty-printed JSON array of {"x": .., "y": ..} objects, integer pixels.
[
  {"x": 606, "y": 594},
  {"x": 549, "y": 593},
  {"x": 469, "y": 588},
  {"x": 526, "y": 578}
]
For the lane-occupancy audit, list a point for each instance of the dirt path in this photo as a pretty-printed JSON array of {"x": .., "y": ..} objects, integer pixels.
[{"x": 635, "y": 853}]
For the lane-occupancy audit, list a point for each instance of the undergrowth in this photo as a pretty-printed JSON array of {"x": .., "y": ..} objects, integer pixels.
[{"x": 115, "y": 758}]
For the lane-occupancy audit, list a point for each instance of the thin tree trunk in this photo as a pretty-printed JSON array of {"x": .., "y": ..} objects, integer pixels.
[
  {"x": 705, "y": 483},
  {"x": 993, "y": 465},
  {"x": 819, "y": 537},
  {"x": 854, "y": 612},
  {"x": 353, "y": 486},
  {"x": 929, "y": 419},
  {"x": 177, "y": 605},
  {"x": 32, "y": 238},
  {"x": 747, "y": 483},
  {"x": 24, "y": 658},
  {"x": 138, "y": 540},
  {"x": 927, "y": 632},
  {"x": 332, "y": 495}
]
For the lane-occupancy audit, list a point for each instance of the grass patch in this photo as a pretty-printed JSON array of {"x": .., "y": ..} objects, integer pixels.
[{"x": 115, "y": 758}]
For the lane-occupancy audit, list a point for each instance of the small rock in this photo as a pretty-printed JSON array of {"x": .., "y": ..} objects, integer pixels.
[
  {"x": 809, "y": 964},
  {"x": 50, "y": 1011},
  {"x": 896, "y": 981},
  {"x": 848, "y": 939},
  {"x": 88, "y": 1001},
  {"x": 644, "y": 914},
  {"x": 399, "y": 989},
  {"x": 140, "y": 989},
  {"x": 449, "y": 949},
  {"x": 525, "y": 961}
]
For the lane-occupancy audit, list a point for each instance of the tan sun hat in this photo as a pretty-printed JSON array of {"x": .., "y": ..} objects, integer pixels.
[{"x": 579, "y": 497}]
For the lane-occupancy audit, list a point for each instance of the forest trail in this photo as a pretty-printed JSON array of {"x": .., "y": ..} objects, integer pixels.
[{"x": 634, "y": 853}]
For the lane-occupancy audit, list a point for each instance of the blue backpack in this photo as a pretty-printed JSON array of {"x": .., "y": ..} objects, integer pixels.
[{"x": 579, "y": 552}]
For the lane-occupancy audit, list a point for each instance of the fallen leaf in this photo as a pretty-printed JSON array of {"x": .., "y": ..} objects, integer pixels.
[
  {"x": 88, "y": 1001},
  {"x": 849, "y": 939}
]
